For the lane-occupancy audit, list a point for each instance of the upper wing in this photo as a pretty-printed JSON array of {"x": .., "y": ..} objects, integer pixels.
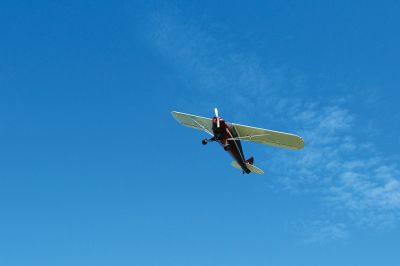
[
  {"x": 269, "y": 137},
  {"x": 194, "y": 121}
]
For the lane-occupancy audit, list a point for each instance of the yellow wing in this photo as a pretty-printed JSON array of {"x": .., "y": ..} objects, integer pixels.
[
  {"x": 194, "y": 121},
  {"x": 264, "y": 136},
  {"x": 269, "y": 137}
]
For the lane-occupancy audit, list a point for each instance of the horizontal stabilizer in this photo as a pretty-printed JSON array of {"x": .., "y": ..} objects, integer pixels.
[
  {"x": 254, "y": 169},
  {"x": 251, "y": 167}
]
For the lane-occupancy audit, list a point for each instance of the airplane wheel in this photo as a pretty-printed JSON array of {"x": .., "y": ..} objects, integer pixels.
[
  {"x": 227, "y": 147},
  {"x": 204, "y": 141}
]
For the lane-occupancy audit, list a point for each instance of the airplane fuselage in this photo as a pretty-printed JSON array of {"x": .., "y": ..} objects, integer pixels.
[{"x": 225, "y": 135}]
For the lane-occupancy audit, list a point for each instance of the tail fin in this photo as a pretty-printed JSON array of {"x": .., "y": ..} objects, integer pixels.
[
  {"x": 250, "y": 166},
  {"x": 250, "y": 160}
]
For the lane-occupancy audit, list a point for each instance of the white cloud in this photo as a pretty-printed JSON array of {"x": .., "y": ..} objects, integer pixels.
[{"x": 346, "y": 172}]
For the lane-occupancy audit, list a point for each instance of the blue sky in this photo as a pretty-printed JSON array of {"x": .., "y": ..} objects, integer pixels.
[{"x": 95, "y": 171}]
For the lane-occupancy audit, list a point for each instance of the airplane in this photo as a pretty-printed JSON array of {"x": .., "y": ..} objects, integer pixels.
[{"x": 229, "y": 136}]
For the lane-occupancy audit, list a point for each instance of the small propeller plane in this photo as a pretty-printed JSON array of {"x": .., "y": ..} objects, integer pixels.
[{"x": 229, "y": 136}]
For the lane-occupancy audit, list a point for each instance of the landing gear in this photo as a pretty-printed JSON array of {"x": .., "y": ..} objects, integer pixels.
[{"x": 205, "y": 141}]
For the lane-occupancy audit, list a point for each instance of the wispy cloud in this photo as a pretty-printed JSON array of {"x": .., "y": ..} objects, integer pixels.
[
  {"x": 211, "y": 67},
  {"x": 346, "y": 172},
  {"x": 338, "y": 164}
]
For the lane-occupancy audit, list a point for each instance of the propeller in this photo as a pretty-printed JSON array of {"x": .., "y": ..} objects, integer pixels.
[{"x": 216, "y": 115}]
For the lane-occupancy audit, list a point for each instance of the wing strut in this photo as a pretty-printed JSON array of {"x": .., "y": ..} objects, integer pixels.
[
  {"x": 200, "y": 125},
  {"x": 249, "y": 137}
]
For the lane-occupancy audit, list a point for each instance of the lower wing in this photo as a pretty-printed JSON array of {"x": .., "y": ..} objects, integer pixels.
[
  {"x": 268, "y": 137},
  {"x": 194, "y": 121}
]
